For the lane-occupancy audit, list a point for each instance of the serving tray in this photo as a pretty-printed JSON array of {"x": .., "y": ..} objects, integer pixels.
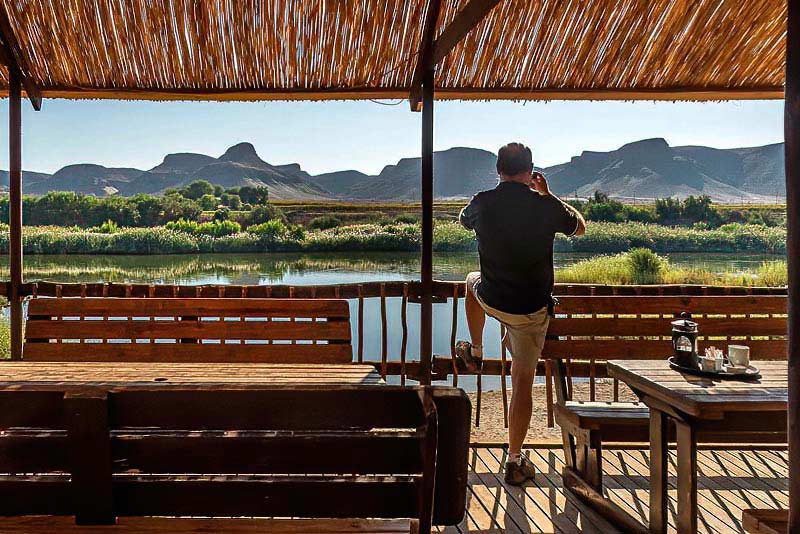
[{"x": 752, "y": 372}]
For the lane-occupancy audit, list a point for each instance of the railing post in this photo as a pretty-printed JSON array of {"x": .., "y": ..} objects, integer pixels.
[
  {"x": 792, "y": 160},
  {"x": 426, "y": 267},
  {"x": 15, "y": 210}
]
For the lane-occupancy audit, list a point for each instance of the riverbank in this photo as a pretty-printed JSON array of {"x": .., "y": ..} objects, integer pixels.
[{"x": 603, "y": 238}]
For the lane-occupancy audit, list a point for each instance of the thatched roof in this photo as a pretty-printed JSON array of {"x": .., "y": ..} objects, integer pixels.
[{"x": 315, "y": 49}]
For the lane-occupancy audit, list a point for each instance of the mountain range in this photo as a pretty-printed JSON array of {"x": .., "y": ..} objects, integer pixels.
[{"x": 649, "y": 168}]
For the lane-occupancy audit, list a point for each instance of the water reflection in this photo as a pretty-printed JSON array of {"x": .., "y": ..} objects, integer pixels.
[{"x": 319, "y": 269}]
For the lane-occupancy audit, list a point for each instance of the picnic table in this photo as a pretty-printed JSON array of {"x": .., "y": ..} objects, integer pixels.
[
  {"x": 121, "y": 431},
  {"x": 57, "y": 375},
  {"x": 701, "y": 408}
]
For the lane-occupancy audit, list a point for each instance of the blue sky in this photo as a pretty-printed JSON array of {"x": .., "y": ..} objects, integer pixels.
[{"x": 326, "y": 136}]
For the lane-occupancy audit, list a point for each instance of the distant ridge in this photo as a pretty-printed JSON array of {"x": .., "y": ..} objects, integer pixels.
[{"x": 649, "y": 168}]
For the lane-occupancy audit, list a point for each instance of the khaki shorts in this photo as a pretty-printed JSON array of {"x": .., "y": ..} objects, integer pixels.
[{"x": 525, "y": 334}]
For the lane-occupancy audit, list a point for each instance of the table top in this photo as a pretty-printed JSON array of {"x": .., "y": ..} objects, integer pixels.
[
  {"x": 58, "y": 375},
  {"x": 706, "y": 397}
]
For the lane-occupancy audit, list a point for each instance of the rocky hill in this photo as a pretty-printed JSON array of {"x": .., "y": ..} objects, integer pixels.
[
  {"x": 644, "y": 169},
  {"x": 651, "y": 169},
  {"x": 239, "y": 165}
]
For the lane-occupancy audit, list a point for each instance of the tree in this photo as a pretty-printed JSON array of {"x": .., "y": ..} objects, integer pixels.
[
  {"x": 197, "y": 190},
  {"x": 700, "y": 209},
  {"x": 208, "y": 202},
  {"x": 668, "y": 210},
  {"x": 254, "y": 195},
  {"x": 231, "y": 200}
]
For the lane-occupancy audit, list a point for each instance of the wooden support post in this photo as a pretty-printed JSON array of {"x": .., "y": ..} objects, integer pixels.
[
  {"x": 90, "y": 449},
  {"x": 687, "y": 478},
  {"x": 792, "y": 155},
  {"x": 426, "y": 264},
  {"x": 15, "y": 210},
  {"x": 658, "y": 472}
]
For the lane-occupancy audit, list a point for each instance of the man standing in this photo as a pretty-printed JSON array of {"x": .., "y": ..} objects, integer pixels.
[{"x": 515, "y": 224}]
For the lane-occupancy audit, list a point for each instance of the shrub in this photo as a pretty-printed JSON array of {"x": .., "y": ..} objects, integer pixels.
[
  {"x": 218, "y": 228},
  {"x": 108, "y": 227},
  {"x": 642, "y": 215},
  {"x": 211, "y": 228},
  {"x": 406, "y": 218},
  {"x": 264, "y": 213},
  {"x": 324, "y": 222},
  {"x": 646, "y": 266},
  {"x": 182, "y": 225},
  {"x": 270, "y": 230},
  {"x": 773, "y": 274},
  {"x": 222, "y": 214},
  {"x": 297, "y": 232},
  {"x": 609, "y": 211}
]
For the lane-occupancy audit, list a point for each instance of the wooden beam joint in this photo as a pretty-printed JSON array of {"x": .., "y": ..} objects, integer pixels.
[
  {"x": 432, "y": 52},
  {"x": 425, "y": 56}
]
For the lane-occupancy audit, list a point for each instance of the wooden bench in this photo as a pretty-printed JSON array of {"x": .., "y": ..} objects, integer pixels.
[
  {"x": 225, "y": 454},
  {"x": 638, "y": 327},
  {"x": 765, "y": 521},
  {"x": 188, "y": 330}
]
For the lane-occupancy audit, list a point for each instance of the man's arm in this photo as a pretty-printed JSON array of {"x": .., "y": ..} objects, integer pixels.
[
  {"x": 469, "y": 214},
  {"x": 581, "y": 228},
  {"x": 539, "y": 183}
]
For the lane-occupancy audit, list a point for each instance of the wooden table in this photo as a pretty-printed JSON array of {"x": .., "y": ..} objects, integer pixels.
[
  {"x": 50, "y": 375},
  {"x": 701, "y": 409}
]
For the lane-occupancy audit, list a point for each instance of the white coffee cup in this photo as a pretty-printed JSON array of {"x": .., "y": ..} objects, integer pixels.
[{"x": 739, "y": 355}]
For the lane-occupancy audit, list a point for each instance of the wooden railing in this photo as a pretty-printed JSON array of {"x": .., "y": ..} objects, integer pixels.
[{"x": 589, "y": 368}]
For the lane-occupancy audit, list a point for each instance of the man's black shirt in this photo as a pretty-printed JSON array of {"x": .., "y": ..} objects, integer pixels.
[{"x": 516, "y": 227}]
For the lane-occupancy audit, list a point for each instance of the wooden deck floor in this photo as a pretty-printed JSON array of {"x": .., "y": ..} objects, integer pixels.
[{"x": 729, "y": 481}]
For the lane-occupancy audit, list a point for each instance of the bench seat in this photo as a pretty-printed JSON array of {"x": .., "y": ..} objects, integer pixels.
[
  {"x": 601, "y": 415},
  {"x": 765, "y": 521}
]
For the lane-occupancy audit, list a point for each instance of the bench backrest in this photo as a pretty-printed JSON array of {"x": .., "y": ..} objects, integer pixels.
[
  {"x": 188, "y": 330},
  {"x": 296, "y": 452},
  {"x": 638, "y": 327}
]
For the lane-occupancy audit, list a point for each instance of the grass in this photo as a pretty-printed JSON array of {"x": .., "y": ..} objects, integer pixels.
[
  {"x": 5, "y": 339},
  {"x": 396, "y": 236},
  {"x": 642, "y": 266}
]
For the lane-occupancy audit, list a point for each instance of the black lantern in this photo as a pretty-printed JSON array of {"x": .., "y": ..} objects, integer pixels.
[{"x": 684, "y": 341}]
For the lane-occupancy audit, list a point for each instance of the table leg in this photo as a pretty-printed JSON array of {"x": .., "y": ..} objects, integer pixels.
[
  {"x": 687, "y": 478},
  {"x": 658, "y": 472}
]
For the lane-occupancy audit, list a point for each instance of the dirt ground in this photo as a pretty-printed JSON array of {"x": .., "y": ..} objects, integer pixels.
[{"x": 492, "y": 429}]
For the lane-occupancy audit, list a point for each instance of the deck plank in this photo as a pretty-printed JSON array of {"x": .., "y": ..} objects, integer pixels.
[{"x": 729, "y": 482}]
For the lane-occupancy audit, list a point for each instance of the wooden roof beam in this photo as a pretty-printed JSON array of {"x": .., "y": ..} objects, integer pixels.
[
  {"x": 466, "y": 20},
  {"x": 425, "y": 55},
  {"x": 14, "y": 59}
]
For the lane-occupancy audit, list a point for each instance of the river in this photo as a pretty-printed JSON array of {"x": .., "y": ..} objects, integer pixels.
[{"x": 328, "y": 268}]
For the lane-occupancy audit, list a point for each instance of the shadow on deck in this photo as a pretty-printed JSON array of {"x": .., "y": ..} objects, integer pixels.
[{"x": 729, "y": 481}]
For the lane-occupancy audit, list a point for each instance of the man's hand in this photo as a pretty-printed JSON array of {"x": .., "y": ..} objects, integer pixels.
[{"x": 539, "y": 183}]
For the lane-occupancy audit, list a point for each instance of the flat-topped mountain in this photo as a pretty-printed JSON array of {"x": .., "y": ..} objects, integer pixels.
[
  {"x": 240, "y": 165},
  {"x": 652, "y": 169},
  {"x": 649, "y": 168}
]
